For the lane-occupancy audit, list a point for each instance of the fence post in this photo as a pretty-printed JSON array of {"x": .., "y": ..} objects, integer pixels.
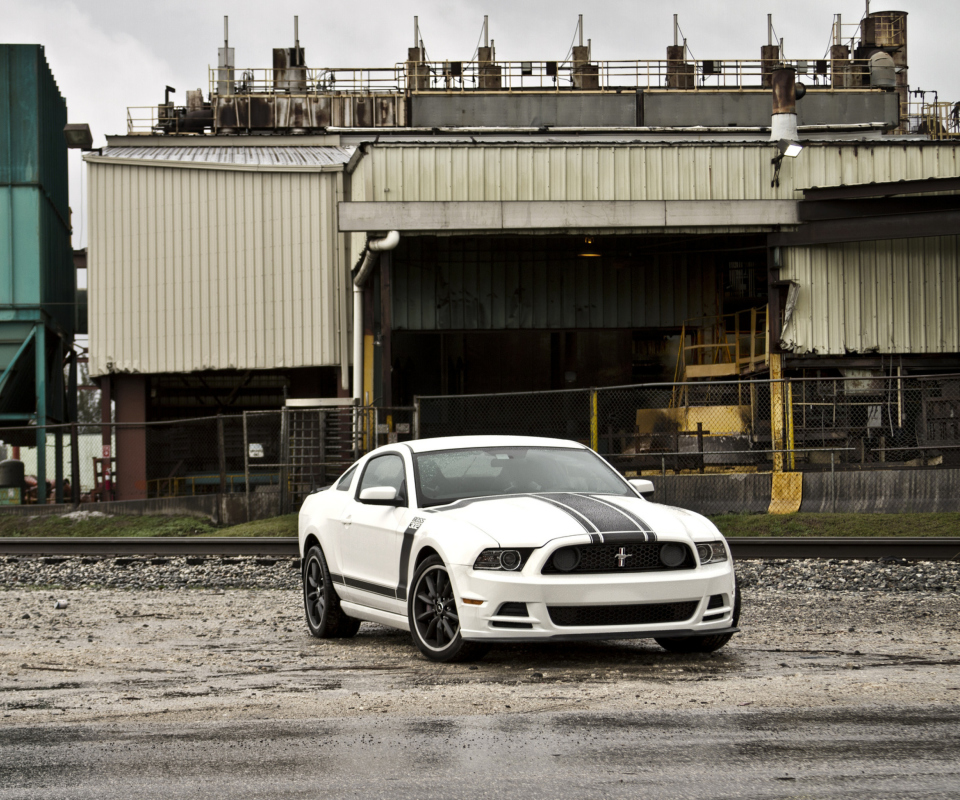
[
  {"x": 284, "y": 461},
  {"x": 75, "y": 464},
  {"x": 776, "y": 410},
  {"x": 416, "y": 417},
  {"x": 222, "y": 453},
  {"x": 594, "y": 423},
  {"x": 833, "y": 483},
  {"x": 246, "y": 467},
  {"x": 58, "y": 466}
]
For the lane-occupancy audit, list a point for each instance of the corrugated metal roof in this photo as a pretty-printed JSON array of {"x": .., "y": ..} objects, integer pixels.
[{"x": 296, "y": 156}]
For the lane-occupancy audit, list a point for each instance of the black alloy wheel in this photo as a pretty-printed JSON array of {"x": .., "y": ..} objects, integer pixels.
[
  {"x": 434, "y": 618},
  {"x": 325, "y": 618}
]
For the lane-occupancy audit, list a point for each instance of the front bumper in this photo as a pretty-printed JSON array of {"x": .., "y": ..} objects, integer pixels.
[{"x": 540, "y": 592}]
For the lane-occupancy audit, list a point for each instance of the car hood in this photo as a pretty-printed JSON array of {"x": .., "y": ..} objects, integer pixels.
[{"x": 534, "y": 520}]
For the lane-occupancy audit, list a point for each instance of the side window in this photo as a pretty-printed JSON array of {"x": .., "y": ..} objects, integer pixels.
[
  {"x": 384, "y": 471},
  {"x": 343, "y": 485}
]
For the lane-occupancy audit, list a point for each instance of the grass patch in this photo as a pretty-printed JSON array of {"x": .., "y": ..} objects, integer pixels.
[
  {"x": 118, "y": 525},
  {"x": 275, "y": 526},
  {"x": 943, "y": 524}
]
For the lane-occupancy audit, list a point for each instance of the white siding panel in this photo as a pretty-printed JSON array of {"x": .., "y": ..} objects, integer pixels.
[
  {"x": 213, "y": 269},
  {"x": 735, "y": 171},
  {"x": 899, "y": 296}
]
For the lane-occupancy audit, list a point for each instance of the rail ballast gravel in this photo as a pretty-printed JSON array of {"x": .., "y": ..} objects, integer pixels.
[{"x": 918, "y": 548}]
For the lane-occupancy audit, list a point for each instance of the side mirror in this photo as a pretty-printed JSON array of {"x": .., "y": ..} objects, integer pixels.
[
  {"x": 381, "y": 496},
  {"x": 642, "y": 485}
]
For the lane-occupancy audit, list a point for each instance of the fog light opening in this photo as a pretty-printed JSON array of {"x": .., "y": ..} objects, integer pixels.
[
  {"x": 672, "y": 555},
  {"x": 566, "y": 559}
]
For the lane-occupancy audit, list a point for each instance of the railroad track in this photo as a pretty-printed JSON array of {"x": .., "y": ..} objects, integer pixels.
[{"x": 930, "y": 548}]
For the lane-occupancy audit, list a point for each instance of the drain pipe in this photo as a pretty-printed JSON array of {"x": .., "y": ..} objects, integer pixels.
[{"x": 373, "y": 250}]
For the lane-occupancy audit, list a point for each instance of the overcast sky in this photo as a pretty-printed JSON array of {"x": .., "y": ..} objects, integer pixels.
[{"x": 110, "y": 54}]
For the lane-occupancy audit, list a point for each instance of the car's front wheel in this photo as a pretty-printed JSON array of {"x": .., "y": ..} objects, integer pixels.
[
  {"x": 325, "y": 618},
  {"x": 434, "y": 619}
]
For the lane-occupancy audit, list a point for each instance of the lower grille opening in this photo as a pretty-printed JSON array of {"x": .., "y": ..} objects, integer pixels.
[
  {"x": 714, "y": 617},
  {"x": 635, "y": 614},
  {"x": 497, "y": 623},
  {"x": 513, "y": 610},
  {"x": 716, "y": 601}
]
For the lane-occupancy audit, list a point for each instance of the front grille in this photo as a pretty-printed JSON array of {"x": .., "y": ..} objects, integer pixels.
[
  {"x": 636, "y": 614},
  {"x": 641, "y": 557}
]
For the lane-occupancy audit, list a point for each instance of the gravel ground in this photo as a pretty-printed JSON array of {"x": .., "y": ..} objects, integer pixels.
[
  {"x": 250, "y": 572},
  {"x": 815, "y": 634}
]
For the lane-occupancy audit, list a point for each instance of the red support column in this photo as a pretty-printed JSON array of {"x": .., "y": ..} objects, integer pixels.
[{"x": 131, "y": 398}]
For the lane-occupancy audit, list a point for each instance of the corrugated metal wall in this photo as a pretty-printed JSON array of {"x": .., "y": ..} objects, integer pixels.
[
  {"x": 674, "y": 171},
  {"x": 195, "y": 269},
  {"x": 36, "y": 258},
  {"x": 497, "y": 283},
  {"x": 900, "y": 296}
]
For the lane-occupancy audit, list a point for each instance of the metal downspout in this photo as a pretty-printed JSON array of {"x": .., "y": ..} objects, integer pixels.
[{"x": 373, "y": 250}]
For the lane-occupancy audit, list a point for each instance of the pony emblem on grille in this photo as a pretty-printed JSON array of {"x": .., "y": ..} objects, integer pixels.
[{"x": 622, "y": 555}]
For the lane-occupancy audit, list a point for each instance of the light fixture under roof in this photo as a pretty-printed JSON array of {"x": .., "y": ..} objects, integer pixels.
[{"x": 589, "y": 249}]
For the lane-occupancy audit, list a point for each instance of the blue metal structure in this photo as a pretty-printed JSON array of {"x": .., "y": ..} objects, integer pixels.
[{"x": 37, "y": 275}]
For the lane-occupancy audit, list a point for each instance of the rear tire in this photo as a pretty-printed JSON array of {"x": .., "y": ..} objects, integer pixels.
[
  {"x": 704, "y": 644},
  {"x": 325, "y": 618},
  {"x": 434, "y": 616}
]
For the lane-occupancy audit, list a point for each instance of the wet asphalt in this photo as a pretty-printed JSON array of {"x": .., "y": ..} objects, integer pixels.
[{"x": 835, "y": 753}]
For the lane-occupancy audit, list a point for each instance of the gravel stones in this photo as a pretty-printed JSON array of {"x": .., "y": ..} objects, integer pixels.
[
  {"x": 257, "y": 572},
  {"x": 247, "y": 572},
  {"x": 893, "y": 575}
]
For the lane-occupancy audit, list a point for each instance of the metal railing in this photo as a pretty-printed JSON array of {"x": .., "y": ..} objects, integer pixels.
[{"x": 692, "y": 74}]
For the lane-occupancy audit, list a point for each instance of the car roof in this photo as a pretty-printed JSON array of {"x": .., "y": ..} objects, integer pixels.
[{"x": 463, "y": 442}]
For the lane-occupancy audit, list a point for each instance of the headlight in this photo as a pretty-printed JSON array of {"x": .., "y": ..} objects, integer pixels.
[
  {"x": 711, "y": 552},
  {"x": 509, "y": 560}
]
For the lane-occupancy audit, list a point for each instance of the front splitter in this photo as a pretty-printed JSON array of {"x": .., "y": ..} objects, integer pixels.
[{"x": 605, "y": 636}]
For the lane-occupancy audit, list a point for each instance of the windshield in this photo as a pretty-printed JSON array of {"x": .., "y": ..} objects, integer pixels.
[{"x": 450, "y": 475}]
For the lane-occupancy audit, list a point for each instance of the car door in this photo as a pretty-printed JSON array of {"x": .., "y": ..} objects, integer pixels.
[{"x": 372, "y": 535}]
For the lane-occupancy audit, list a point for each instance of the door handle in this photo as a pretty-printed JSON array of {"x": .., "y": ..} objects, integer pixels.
[{"x": 347, "y": 520}]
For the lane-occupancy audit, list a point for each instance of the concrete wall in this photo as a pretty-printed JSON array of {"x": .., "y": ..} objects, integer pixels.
[
  {"x": 526, "y": 111},
  {"x": 228, "y": 509},
  {"x": 890, "y": 491},
  {"x": 876, "y": 491},
  {"x": 752, "y": 109},
  {"x": 715, "y": 494}
]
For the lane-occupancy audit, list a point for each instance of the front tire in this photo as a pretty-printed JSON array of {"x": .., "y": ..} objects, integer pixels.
[
  {"x": 434, "y": 617},
  {"x": 704, "y": 644},
  {"x": 325, "y": 618}
]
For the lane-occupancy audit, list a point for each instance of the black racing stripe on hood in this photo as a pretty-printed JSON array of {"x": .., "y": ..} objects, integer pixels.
[
  {"x": 641, "y": 524},
  {"x": 605, "y": 517},
  {"x": 584, "y": 522}
]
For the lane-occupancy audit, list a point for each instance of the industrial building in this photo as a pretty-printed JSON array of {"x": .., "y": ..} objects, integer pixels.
[
  {"x": 40, "y": 306},
  {"x": 300, "y": 235}
]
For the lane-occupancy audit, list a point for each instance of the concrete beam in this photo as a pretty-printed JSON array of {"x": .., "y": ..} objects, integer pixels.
[{"x": 562, "y": 214}]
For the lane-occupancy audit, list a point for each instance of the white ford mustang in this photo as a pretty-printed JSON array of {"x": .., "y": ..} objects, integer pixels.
[{"x": 468, "y": 541}]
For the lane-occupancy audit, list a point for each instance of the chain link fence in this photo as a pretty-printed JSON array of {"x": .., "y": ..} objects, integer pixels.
[
  {"x": 273, "y": 458},
  {"x": 787, "y": 432}
]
